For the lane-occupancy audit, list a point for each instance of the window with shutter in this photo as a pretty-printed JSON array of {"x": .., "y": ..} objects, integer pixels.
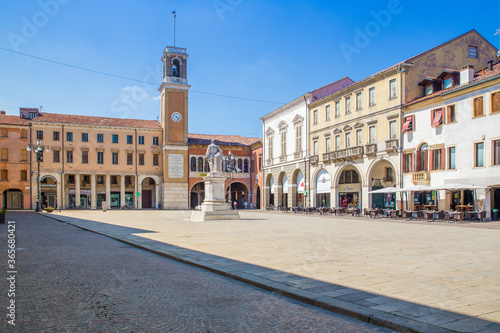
[
  {"x": 478, "y": 107},
  {"x": 495, "y": 102}
]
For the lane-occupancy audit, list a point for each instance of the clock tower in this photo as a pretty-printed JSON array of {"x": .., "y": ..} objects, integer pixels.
[{"x": 174, "y": 121}]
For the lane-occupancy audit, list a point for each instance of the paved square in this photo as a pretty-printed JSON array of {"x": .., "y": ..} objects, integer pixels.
[{"x": 437, "y": 273}]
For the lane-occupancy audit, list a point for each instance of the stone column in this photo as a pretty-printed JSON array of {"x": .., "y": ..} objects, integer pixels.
[
  {"x": 93, "y": 194},
  {"x": 366, "y": 198},
  {"x": 108, "y": 192},
  {"x": 122, "y": 191},
  {"x": 157, "y": 195},
  {"x": 77, "y": 190},
  {"x": 59, "y": 189},
  {"x": 139, "y": 198}
]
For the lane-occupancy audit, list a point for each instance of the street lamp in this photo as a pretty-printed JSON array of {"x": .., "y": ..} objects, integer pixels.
[
  {"x": 230, "y": 167},
  {"x": 38, "y": 149}
]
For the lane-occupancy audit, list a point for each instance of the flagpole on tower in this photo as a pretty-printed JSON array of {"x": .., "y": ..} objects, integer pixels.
[{"x": 175, "y": 16}]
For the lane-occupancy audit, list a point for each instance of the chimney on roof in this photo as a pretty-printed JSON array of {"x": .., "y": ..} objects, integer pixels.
[
  {"x": 3, "y": 112},
  {"x": 491, "y": 64},
  {"x": 467, "y": 74}
]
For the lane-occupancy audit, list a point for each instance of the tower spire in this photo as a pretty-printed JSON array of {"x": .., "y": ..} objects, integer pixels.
[{"x": 175, "y": 16}]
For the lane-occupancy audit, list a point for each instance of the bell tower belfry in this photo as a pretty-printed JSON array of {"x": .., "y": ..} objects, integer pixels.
[{"x": 174, "y": 121}]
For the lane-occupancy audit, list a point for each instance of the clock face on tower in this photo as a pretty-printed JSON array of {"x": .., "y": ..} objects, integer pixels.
[{"x": 176, "y": 116}]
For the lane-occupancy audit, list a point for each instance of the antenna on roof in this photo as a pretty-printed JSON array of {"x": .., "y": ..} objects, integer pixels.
[
  {"x": 40, "y": 108},
  {"x": 175, "y": 16}
]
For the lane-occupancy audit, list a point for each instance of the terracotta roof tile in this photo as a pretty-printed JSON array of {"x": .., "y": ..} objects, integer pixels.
[
  {"x": 95, "y": 121},
  {"x": 234, "y": 140},
  {"x": 13, "y": 120}
]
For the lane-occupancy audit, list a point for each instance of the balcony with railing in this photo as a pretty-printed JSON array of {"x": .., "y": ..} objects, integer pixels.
[
  {"x": 173, "y": 49},
  {"x": 314, "y": 159},
  {"x": 371, "y": 149},
  {"x": 421, "y": 178},
  {"x": 392, "y": 145},
  {"x": 176, "y": 80},
  {"x": 347, "y": 154}
]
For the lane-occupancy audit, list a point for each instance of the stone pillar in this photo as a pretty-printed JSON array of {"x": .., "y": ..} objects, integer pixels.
[
  {"x": 122, "y": 191},
  {"x": 157, "y": 195},
  {"x": 77, "y": 190},
  {"x": 93, "y": 194},
  {"x": 59, "y": 190},
  {"x": 139, "y": 200},
  {"x": 108, "y": 192},
  {"x": 366, "y": 198}
]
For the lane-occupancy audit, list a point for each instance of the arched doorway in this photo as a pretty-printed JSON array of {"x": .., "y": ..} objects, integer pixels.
[
  {"x": 349, "y": 185},
  {"x": 48, "y": 187},
  {"x": 13, "y": 199},
  {"x": 383, "y": 175},
  {"x": 239, "y": 194},
  {"x": 148, "y": 193},
  {"x": 271, "y": 191},
  {"x": 323, "y": 185},
  {"x": 197, "y": 195},
  {"x": 300, "y": 189},
  {"x": 284, "y": 190}
]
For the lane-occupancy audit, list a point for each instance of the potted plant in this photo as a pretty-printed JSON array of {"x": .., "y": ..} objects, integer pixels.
[
  {"x": 2, "y": 215},
  {"x": 49, "y": 209}
]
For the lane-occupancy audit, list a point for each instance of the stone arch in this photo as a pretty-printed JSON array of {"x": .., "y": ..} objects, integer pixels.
[
  {"x": 282, "y": 189},
  {"x": 377, "y": 178},
  {"x": 239, "y": 194},
  {"x": 374, "y": 163},
  {"x": 352, "y": 191},
  {"x": 322, "y": 184},
  {"x": 155, "y": 191},
  {"x": 196, "y": 194},
  {"x": 13, "y": 199},
  {"x": 269, "y": 190},
  {"x": 298, "y": 187}
]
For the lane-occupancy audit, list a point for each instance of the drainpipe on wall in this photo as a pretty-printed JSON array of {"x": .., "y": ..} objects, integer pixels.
[
  {"x": 31, "y": 175},
  {"x": 402, "y": 101},
  {"x": 62, "y": 168},
  {"x": 306, "y": 158},
  {"x": 136, "y": 175}
]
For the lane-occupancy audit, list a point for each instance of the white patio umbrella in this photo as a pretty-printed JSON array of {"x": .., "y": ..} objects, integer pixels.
[
  {"x": 456, "y": 187},
  {"x": 387, "y": 190}
]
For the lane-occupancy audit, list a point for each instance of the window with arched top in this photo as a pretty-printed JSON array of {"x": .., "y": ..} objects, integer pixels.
[
  {"x": 240, "y": 164},
  {"x": 176, "y": 68},
  {"x": 207, "y": 166},
  {"x": 422, "y": 157},
  {"x": 245, "y": 166},
  {"x": 193, "y": 163},
  {"x": 200, "y": 164}
]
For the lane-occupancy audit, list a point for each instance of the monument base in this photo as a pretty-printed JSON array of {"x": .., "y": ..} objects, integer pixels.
[{"x": 214, "y": 207}]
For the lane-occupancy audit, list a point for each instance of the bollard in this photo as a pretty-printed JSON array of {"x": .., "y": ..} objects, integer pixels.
[{"x": 104, "y": 206}]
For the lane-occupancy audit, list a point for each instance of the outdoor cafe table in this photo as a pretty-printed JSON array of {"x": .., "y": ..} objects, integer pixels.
[
  {"x": 464, "y": 207},
  {"x": 430, "y": 207}
]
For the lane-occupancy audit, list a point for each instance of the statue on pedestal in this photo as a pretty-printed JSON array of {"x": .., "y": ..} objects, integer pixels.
[{"x": 214, "y": 157}]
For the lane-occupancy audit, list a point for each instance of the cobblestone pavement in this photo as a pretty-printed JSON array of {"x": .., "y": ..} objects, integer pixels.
[
  {"x": 423, "y": 276},
  {"x": 71, "y": 280}
]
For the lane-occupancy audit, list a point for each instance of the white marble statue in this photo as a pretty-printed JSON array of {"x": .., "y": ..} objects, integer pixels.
[{"x": 214, "y": 157}]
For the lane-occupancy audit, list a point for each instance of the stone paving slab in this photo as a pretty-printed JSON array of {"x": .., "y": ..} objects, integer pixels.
[{"x": 412, "y": 277}]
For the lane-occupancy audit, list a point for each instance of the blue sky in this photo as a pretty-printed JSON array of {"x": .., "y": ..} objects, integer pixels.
[{"x": 260, "y": 51}]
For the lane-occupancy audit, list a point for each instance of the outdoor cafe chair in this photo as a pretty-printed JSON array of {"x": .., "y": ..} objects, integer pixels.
[
  {"x": 460, "y": 216},
  {"x": 481, "y": 216},
  {"x": 366, "y": 212}
]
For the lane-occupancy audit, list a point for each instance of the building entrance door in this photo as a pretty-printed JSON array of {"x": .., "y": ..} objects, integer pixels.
[{"x": 147, "y": 198}]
